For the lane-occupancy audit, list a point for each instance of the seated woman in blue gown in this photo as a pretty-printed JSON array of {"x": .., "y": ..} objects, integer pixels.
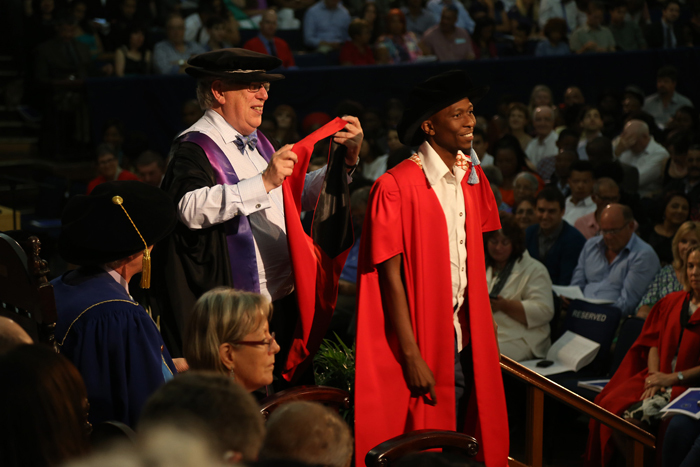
[{"x": 107, "y": 335}]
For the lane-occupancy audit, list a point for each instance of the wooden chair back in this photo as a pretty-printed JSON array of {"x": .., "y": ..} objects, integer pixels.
[
  {"x": 26, "y": 295},
  {"x": 332, "y": 397},
  {"x": 389, "y": 452}
]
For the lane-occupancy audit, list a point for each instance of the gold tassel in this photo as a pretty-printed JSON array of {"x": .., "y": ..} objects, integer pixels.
[{"x": 146, "y": 262}]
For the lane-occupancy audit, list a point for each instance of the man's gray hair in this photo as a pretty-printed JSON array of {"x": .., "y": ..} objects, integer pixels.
[
  {"x": 604, "y": 182},
  {"x": 204, "y": 95},
  {"x": 529, "y": 177}
]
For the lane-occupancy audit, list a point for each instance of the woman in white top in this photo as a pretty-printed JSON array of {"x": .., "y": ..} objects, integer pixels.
[{"x": 520, "y": 291}]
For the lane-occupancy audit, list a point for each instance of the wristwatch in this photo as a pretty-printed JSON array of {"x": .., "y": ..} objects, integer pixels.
[
  {"x": 680, "y": 376},
  {"x": 354, "y": 166}
]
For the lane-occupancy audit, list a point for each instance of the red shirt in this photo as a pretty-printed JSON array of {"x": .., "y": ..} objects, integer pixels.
[
  {"x": 283, "y": 52},
  {"x": 123, "y": 175},
  {"x": 349, "y": 53}
]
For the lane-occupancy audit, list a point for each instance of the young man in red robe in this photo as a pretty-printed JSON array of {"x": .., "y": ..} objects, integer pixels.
[{"x": 427, "y": 355}]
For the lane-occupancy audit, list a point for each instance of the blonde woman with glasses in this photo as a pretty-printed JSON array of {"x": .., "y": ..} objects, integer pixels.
[{"x": 228, "y": 332}]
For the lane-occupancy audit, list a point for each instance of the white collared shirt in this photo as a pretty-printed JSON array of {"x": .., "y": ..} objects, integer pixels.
[
  {"x": 573, "y": 211},
  {"x": 448, "y": 189},
  {"x": 649, "y": 163},
  {"x": 210, "y": 206},
  {"x": 536, "y": 150},
  {"x": 117, "y": 277}
]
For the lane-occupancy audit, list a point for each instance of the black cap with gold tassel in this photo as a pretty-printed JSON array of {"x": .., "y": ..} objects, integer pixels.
[{"x": 146, "y": 271}]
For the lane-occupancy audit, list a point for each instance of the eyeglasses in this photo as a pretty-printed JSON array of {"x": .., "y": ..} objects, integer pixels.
[
  {"x": 267, "y": 342},
  {"x": 255, "y": 87},
  {"x": 612, "y": 231}
]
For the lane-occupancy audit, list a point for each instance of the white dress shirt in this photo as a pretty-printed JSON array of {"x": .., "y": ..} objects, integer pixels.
[
  {"x": 574, "y": 211},
  {"x": 210, "y": 206},
  {"x": 649, "y": 163},
  {"x": 448, "y": 189},
  {"x": 536, "y": 150}
]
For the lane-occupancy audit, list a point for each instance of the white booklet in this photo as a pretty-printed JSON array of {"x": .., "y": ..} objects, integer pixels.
[
  {"x": 573, "y": 292},
  {"x": 570, "y": 352},
  {"x": 687, "y": 403},
  {"x": 596, "y": 385}
]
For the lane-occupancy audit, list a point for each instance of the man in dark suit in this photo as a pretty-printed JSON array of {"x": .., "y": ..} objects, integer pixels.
[
  {"x": 553, "y": 241},
  {"x": 667, "y": 33}
]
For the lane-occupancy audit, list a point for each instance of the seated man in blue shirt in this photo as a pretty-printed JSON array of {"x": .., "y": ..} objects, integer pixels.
[
  {"x": 553, "y": 241},
  {"x": 326, "y": 25},
  {"x": 616, "y": 265}
]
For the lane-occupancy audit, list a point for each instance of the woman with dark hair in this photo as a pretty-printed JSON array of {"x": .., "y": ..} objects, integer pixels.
[
  {"x": 132, "y": 58},
  {"x": 44, "y": 408},
  {"x": 676, "y": 210},
  {"x": 591, "y": 124},
  {"x": 518, "y": 119},
  {"x": 525, "y": 12},
  {"x": 286, "y": 119},
  {"x": 556, "y": 43},
  {"x": 371, "y": 15},
  {"x": 398, "y": 45},
  {"x": 483, "y": 42},
  {"x": 510, "y": 158},
  {"x": 520, "y": 292}
]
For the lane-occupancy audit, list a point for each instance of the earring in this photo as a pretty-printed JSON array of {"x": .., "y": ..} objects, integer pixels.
[{"x": 231, "y": 375}]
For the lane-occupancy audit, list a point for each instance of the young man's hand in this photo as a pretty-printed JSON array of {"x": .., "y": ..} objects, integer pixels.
[{"x": 419, "y": 379}]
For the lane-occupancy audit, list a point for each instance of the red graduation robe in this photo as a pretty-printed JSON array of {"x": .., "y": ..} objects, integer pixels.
[
  {"x": 661, "y": 329},
  {"x": 405, "y": 217}
]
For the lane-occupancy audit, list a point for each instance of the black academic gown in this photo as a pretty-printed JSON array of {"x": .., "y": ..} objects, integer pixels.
[{"x": 188, "y": 263}]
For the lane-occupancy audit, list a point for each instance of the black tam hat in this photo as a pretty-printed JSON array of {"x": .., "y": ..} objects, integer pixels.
[
  {"x": 115, "y": 221},
  {"x": 240, "y": 65},
  {"x": 432, "y": 96}
]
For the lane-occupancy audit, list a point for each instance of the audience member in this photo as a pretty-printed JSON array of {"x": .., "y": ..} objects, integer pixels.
[
  {"x": 600, "y": 154},
  {"x": 397, "y": 45},
  {"x": 170, "y": 55},
  {"x": 219, "y": 404},
  {"x": 267, "y": 43},
  {"x": 44, "y": 408},
  {"x": 196, "y": 29},
  {"x": 108, "y": 168},
  {"x": 374, "y": 20},
  {"x": 191, "y": 112},
  {"x": 617, "y": 265},
  {"x": 525, "y": 186},
  {"x": 483, "y": 42},
  {"x": 357, "y": 50},
  {"x": 627, "y": 34},
  {"x": 676, "y": 166},
  {"x": 286, "y": 119},
  {"x": 552, "y": 240},
  {"x": 579, "y": 203},
  {"x": 654, "y": 369},
  {"x": 690, "y": 185},
  {"x": 510, "y": 160},
  {"x": 675, "y": 211},
  {"x": 545, "y": 142},
  {"x": 681, "y": 445},
  {"x": 326, "y": 25},
  {"x": 447, "y": 41},
  {"x": 632, "y": 100},
  {"x": 592, "y": 36},
  {"x": 524, "y": 213},
  {"x": 373, "y": 161},
  {"x": 591, "y": 124},
  {"x": 86, "y": 31},
  {"x": 116, "y": 346},
  {"x": 669, "y": 277},
  {"x": 605, "y": 191},
  {"x": 462, "y": 20},
  {"x": 664, "y": 104},
  {"x": 12, "y": 335},
  {"x": 216, "y": 27},
  {"x": 481, "y": 146},
  {"x": 666, "y": 33},
  {"x": 640, "y": 150},
  {"x": 228, "y": 332},
  {"x": 573, "y": 96},
  {"x": 518, "y": 119},
  {"x": 556, "y": 42},
  {"x": 310, "y": 433},
  {"x": 150, "y": 168},
  {"x": 562, "y": 170},
  {"x": 564, "y": 9},
  {"x": 523, "y": 305},
  {"x": 694, "y": 27},
  {"x": 540, "y": 96},
  {"x": 518, "y": 47},
  {"x": 418, "y": 18},
  {"x": 526, "y": 13},
  {"x": 685, "y": 119},
  {"x": 132, "y": 57}
]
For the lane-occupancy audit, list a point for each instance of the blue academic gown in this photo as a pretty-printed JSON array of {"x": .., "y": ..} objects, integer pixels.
[{"x": 112, "y": 341}]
